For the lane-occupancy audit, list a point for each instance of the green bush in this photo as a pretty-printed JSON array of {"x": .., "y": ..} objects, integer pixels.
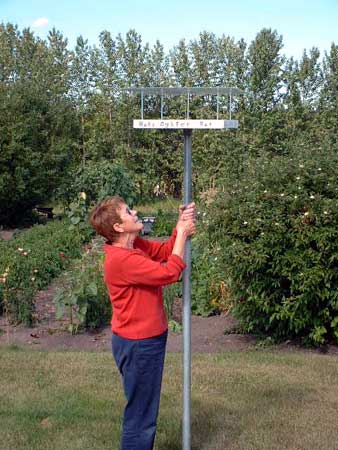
[
  {"x": 170, "y": 293},
  {"x": 99, "y": 179},
  {"x": 207, "y": 280},
  {"x": 209, "y": 289},
  {"x": 277, "y": 227},
  {"x": 164, "y": 223},
  {"x": 165, "y": 213},
  {"x": 83, "y": 296},
  {"x": 78, "y": 215},
  {"x": 30, "y": 262}
]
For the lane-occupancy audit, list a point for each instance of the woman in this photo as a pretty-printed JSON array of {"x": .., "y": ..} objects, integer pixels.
[{"x": 135, "y": 271}]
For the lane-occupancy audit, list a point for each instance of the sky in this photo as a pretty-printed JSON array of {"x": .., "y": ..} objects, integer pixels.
[{"x": 302, "y": 23}]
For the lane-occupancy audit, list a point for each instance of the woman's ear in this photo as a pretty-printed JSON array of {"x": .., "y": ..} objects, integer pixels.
[{"x": 117, "y": 227}]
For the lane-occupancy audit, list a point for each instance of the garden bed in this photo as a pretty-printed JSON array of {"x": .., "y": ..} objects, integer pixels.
[
  {"x": 52, "y": 334},
  {"x": 49, "y": 333}
]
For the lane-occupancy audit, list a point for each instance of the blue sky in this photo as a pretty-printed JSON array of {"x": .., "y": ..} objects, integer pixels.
[{"x": 302, "y": 23}]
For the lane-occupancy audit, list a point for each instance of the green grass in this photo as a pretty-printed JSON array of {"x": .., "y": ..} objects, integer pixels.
[
  {"x": 169, "y": 205},
  {"x": 258, "y": 400}
]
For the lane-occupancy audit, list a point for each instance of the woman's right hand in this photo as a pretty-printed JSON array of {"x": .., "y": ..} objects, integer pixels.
[{"x": 186, "y": 227}]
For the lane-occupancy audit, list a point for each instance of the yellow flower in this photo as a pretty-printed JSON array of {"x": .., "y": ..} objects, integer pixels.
[{"x": 83, "y": 195}]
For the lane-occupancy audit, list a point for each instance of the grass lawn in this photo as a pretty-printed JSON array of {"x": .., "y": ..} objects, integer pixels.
[
  {"x": 240, "y": 401},
  {"x": 168, "y": 205}
]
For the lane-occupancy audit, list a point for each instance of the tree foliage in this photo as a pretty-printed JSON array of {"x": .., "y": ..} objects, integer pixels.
[
  {"x": 38, "y": 123},
  {"x": 61, "y": 109}
]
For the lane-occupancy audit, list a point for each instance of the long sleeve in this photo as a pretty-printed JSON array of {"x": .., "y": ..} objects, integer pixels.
[
  {"x": 157, "y": 251},
  {"x": 136, "y": 269}
]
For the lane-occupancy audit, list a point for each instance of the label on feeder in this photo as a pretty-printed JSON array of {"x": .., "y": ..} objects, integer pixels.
[{"x": 172, "y": 124}]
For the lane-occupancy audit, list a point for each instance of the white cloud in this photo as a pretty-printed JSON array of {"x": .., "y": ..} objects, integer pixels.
[{"x": 40, "y": 22}]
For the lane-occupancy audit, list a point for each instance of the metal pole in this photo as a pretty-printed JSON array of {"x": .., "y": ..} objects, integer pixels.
[
  {"x": 142, "y": 104},
  {"x": 186, "y": 438},
  {"x": 188, "y": 108},
  {"x": 161, "y": 103}
]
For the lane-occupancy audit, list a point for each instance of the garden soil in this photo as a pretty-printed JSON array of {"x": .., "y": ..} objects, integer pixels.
[
  {"x": 48, "y": 333},
  {"x": 207, "y": 333}
]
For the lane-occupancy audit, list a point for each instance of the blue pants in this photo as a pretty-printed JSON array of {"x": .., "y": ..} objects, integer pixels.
[{"x": 140, "y": 363}]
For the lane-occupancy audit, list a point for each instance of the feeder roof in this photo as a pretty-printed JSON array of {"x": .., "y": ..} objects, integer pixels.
[{"x": 184, "y": 90}]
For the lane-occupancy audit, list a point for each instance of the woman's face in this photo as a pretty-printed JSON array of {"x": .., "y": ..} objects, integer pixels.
[{"x": 130, "y": 222}]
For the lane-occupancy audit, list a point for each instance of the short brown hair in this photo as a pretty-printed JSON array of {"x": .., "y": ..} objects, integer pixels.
[{"x": 104, "y": 215}]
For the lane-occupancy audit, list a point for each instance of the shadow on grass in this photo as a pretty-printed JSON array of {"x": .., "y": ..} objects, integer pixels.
[
  {"x": 235, "y": 419},
  {"x": 207, "y": 425}
]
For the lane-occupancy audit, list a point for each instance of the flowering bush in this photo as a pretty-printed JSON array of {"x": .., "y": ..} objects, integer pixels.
[
  {"x": 278, "y": 229},
  {"x": 209, "y": 290},
  {"x": 30, "y": 262}
]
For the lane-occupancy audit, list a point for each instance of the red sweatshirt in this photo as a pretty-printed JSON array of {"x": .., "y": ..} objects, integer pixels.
[{"x": 134, "y": 278}]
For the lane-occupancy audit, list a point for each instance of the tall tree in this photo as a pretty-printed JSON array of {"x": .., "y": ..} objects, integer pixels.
[
  {"x": 204, "y": 54},
  {"x": 37, "y": 126},
  {"x": 329, "y": 94},
  {"x": 82, "y": 88},
  {"x": 264, "y": 113},
  {"x": 181, "y": 61},
  {"x": 265, "y": 76}
]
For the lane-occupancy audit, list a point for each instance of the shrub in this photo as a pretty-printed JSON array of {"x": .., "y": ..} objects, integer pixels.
[
  {"x": 170, "y": 293},
  {"x": 30, "y": 262},
  {"x": 78, "y": 215},
  {"x": 83, "y": 296},
  {"x": 99, "y": 179},
  {"x": 278, "y": 229},
  {"x": 164, "y": 223},
  {"x": 209, "y": 290}
]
